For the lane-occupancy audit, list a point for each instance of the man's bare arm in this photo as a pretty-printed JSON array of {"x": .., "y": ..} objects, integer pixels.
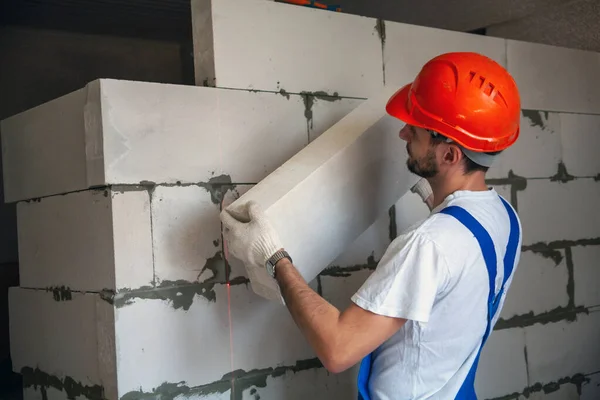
[{"x": 340, "y": 339}]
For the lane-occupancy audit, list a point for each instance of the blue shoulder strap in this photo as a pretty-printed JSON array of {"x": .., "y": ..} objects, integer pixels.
[{"x": 467, "y": 390}]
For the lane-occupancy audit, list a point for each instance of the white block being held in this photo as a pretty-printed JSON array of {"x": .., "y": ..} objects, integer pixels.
[{"x": 324, "y": 197}]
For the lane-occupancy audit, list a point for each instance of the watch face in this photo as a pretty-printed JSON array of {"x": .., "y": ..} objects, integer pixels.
[{"x": 270, "y": 269}]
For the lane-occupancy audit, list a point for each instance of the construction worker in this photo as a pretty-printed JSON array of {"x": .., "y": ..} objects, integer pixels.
[{"x": 418, "y": 323}]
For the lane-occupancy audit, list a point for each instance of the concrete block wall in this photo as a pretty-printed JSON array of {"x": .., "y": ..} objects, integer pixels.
[{"x": 146, "y": 166}]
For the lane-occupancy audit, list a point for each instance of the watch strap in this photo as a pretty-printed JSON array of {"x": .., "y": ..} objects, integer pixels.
[{"x": 275, "y": 258}]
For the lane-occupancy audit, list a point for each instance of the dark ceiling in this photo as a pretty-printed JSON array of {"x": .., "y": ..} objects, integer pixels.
[
  {"x": 153, "y": 19},
  {"x": 170, "y": 19}
]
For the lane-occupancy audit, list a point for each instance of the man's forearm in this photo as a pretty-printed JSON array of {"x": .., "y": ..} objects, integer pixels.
[{"x": 316, "y": 318}]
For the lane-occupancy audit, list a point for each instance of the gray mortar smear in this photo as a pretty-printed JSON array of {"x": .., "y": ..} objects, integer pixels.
[
  {"x": 284, "y": 93},
  {"x": 546, "y": 251},
  {"x": 380, "y": 29},
  {"x": 319, "y": 285},
  {"x": 517, "y": 183},
  {"x": 36, "y": 378},
  {"x": 337, "y": 271},
  {"x": 217, "y": 187},
  {"x": 526, "y": 357},
  {"x": 562, "y": 175},
  {"x": 563, "y": 244},
  {"x": 568, "y": 313},
  {"x": 578, "y": 380},
  {"x": 393, "y": 223},
  {"x": 536, "y": 117},
  {"x": 181, "y": 293},
  {"x": 61, "y": 293},
  {"x": 258, "y": 378},
  {"x": 254, "y": 392},
  {"x": 169, "y": 391},
  {"x": 214, "y": 186},
  {"x": 571, "y": 277},
  {"x": 238, "y": 381},
  {"x": 216, "y": 264},
  {"x": 309, "y": 100}
]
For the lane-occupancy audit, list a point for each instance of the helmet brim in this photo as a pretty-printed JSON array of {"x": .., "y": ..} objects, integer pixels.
[{"x": 397, "y": 107}]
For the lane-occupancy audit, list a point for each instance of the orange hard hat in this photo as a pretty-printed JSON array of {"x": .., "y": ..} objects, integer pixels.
[{"x": 466, "y": 97}]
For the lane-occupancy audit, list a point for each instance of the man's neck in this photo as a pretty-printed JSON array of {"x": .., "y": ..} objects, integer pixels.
[{"x": 442, "y": 187}]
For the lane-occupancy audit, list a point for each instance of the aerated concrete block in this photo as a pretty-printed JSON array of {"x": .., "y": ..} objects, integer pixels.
[
  {"x": 346, "y": 274},
  {"x": 554, "y": 78},
  {"x": 553, "y": 210},
  {"x": 186, "y": 234},
  {"x": 322, "y": 112},
  {"x": 586, "y": 275},
  {"x": 94, "y": 345},
  {"x": 66, "y": 337},
  {"x": 264, "y": 45},
  {"x": 563, "y": 349},
  {"x": 123, "y": 132},
  {"x": 408, "y": 47},
  {"x": 88, "y": 241},
  {"x": 537, "y": 152},
  {"x": 502, "y": 366},
  {"x": 180, "y": 335},
  {"x": 539, "y": 285},
  {"x": 43, "y": 149},
  {"x": 263, "y": 334},
  {"x": 369, "y": 247},
  {"x": 580, "y": 142},
  {"x": 333, "y": 190},
  {"x": 338, "y": 286}
]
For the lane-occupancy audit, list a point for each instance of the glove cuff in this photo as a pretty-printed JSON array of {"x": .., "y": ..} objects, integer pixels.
[
  {"x": 266, "y": 248},
  {"x": 422, "y": 188}
]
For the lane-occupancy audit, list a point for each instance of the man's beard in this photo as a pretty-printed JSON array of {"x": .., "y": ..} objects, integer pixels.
[{"x": 426, "y": 167}]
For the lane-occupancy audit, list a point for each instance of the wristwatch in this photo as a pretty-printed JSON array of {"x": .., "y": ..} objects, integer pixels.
[{"x": 275, "y": 258}]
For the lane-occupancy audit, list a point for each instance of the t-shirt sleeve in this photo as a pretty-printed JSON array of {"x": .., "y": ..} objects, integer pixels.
[{"x": 407, "y": 279}]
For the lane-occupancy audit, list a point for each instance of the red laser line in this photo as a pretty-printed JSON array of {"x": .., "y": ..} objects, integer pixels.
[{"x": 225, "y": 256}]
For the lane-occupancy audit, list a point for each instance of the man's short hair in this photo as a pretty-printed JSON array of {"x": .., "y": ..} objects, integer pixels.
[{"x": 470, "y": 166}]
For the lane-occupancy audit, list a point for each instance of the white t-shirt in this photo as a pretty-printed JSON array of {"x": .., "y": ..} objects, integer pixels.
[{"x": 434, "y": 275}]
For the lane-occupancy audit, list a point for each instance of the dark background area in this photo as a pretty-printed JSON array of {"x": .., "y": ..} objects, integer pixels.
[{"x": 50, "y": 48}]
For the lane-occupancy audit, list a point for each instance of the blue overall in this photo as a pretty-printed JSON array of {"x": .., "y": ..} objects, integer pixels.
[{"x": 467, "y": 390}]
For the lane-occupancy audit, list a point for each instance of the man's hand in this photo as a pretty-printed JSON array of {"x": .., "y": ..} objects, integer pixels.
[{"x": 249, "y": 235}]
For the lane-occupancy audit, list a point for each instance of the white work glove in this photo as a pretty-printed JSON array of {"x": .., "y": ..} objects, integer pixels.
[
  {"x": 423, "y": 189},
  {"x": 249, "y": 234}
]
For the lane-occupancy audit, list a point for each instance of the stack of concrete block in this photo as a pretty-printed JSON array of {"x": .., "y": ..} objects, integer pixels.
[
  {"x": 126, "y": 291},
  {"x": 118, "y": 214}
]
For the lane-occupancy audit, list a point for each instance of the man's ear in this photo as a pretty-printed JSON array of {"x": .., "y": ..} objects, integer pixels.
[{"x": 452, "y": 155}]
